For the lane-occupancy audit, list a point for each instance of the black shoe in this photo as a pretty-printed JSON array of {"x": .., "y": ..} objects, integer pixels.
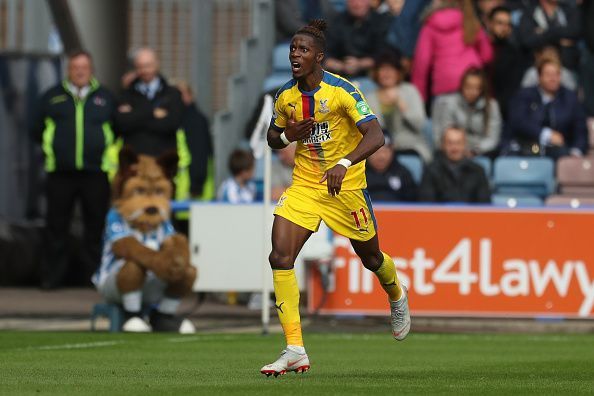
[{"x": 164, "y": 322}]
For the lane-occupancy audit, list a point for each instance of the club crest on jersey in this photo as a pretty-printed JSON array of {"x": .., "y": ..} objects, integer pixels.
[
  {"x": 320, "y": 133},
  {"x": 99, "y": 101},
  {"x": 324, "y": 109}
]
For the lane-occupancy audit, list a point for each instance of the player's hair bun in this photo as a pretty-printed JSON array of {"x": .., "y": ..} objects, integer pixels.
[{"x": 319, "y": 24}]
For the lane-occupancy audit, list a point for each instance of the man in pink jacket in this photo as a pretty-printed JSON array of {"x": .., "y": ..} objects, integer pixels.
[{"x": 451, "y": 41}]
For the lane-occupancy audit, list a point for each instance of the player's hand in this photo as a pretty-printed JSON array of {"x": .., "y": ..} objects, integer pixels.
[
  {"x": 298, "y": 130},
  {"x": 334, "y": 177}
]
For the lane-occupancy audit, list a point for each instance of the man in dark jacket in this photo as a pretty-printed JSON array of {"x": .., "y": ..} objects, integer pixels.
[
  {"x": 509, "y": 62},
  {"x": 452, "y": 177},
  {"x": 354, "y": 39},
  {"x": 73, "y": 125},
  {"x": 387, "y": 179},
  {"x": 199, "y": 142},
  {"x": 150, "y": 110},
  {"x": 549, "y": 23},
  {"x": 548, "y": 117}
]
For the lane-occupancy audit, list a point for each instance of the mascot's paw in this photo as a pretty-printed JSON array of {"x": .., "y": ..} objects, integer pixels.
[
  {"x": 169, "y": 323},
  {"x": 136, "y": 325}
]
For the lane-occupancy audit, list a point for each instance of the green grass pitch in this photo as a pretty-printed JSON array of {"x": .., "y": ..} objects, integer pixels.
[{"x": 160, "y": 364}]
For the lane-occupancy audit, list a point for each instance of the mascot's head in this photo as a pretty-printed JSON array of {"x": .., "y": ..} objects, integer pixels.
[{"x": 143, "y": 187}]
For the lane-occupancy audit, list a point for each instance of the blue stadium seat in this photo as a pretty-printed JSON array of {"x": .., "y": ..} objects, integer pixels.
[
  {"x": 519, "y": 201},
  {"x": 521, "y": 176},
  {"x": 414, "y": 164},
  {"x": 485, "y": 163},
  {"x": 276, "y": 80},
  {"x": 280, "y": 58},
  {"x": 365, "y": 84},
  {"x": 113, "y": 312}
]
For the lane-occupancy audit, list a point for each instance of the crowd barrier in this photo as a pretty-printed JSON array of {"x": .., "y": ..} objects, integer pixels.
[{"x": 455, "y": 261}]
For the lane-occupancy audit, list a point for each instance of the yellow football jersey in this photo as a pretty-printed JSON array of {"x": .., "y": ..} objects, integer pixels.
[{"x": 338, "y": 108}]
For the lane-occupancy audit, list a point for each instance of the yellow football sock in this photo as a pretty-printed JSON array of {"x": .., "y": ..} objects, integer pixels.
[
  {"x": 287, "y": 305},
  {"x": 386, "y": 274}
]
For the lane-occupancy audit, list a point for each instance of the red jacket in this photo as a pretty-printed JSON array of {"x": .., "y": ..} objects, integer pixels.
[{"x": 441, "y": 51}]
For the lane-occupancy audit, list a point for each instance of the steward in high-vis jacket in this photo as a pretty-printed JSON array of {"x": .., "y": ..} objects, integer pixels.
[{"x": 73, "y": 126}]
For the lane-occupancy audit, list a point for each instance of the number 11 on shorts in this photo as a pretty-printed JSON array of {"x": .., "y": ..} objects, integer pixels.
[{"x": 355, "y": 215}]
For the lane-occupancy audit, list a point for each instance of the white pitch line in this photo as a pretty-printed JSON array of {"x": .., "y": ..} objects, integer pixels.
[{"x": 83, "y": 345}]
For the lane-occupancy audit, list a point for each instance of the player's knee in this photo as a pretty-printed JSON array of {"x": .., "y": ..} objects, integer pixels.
[
  {"x": 280, "y": 260},
  {"x": 373, "y": 261},
  {"x": 130, "y": 277}
]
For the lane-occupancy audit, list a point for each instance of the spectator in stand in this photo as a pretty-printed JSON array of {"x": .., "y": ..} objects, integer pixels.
[
  {"x": 587, "y": 72},
  {"x": 547, "y": 119},
  {"x": 549, "y": 23},
  {"x": 150, "y": 110},
  {"x": 404, "y": 28},
  {"x": 450, "y": 42},
  {"x": 387, "y": 179},
  {"x": 199, "y": 141},
  {"x": 282, "y": 175},
  {"x": 354, "y": 38},
  {"x": 398, "y": 106},
  {"x": 475, "y": 109},
  {"x": 239, "y": 188},
  {"x": 405, "y": 25},
  {"x": 485, "y": 8},
  {"x": 73, "y": 125},
  {"x": 291, "y": 15},
  {"x": 530, "y": 78},
  {"x": 452, "y": 177},
  {"x": 509, "y": 62}
]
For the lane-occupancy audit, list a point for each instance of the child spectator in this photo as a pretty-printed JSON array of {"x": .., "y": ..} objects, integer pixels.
[{"x": 239, "y": 188}]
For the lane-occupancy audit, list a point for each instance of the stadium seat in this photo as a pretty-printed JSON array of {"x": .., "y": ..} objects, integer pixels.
[
  {"x": 531, "y": 176},
  {"x": 569, "y": 202},
  {"x": 414, "y": 164},
  {"x": 485, "y": 163},
  {"x": 576, "y": 176},
  {"x": 365, "y": 84},
  {"x": 113, "y": 312},
  {"x": 520, "y": 201},
  {"x": 280, "y": 58},
  {"x": 275, "y": 81}
]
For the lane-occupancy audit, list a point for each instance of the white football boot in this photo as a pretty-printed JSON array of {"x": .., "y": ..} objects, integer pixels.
[
  {"x": 289, "y": 360},
  {"x": 136, "y": 325},
  {"x": 400, "y": 316}
]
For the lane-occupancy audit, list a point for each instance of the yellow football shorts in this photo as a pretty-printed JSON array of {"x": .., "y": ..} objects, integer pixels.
[{"x": 349, "y": 213}]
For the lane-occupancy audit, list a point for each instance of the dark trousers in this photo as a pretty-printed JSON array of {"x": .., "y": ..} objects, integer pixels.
[{"x": 63, "y": 191}]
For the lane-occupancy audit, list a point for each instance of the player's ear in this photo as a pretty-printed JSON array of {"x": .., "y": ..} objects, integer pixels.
[{"x": 320, "y": 56}]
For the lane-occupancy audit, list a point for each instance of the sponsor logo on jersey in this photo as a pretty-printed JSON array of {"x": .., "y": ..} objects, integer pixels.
[{"x": 319, "y": 134}]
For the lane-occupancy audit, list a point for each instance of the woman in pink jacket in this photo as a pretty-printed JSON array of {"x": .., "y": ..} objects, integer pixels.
[{"x": 451, "y": 41}]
